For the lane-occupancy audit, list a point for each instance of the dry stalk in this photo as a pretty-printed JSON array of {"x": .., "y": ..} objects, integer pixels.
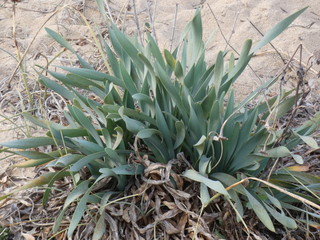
[
  {"x": 233, "y": 27},
  {"x": 228, "y": 43},
  {"x": 136, "y": 19},
  {"x": 121, "y": 10},
  {"x": 35, "y": 36},
  {"x": 297, "y": 105},
  {"x": 109, "y": 10},
  {"x": 295, "y": 196},
  {"x": 174, "y": 26},
  {"x": 151, "y": 18}
]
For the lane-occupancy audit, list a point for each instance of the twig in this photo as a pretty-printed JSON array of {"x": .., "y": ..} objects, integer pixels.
[
  {"x": 174, "y": 26},
  {"x": 154, "y": 12},
  {"x": 301, "y": 26},
  {"x": 14, "y": 29},
  {"x": 233, "y": 27},
  {"x": 126, "y": 13},
  {"x": 121, "y": 10},
  {"x": 306, "y": 65},
  {"x": 99, "y": 46},
  {"x": 245, "y": 180},
  {"x": 228, "y": 43},
  {"x": 297, "y": 105},
  {"x": 300, "y": 82},
  {"x": 22, "y": 69},
  {"x": 272, "y": 168},
  {"x": 84, "y": 7},
  {"x": 252, "y": 24},
  {"x": 151, "y": 21},
  {"x": 109, "y": 11},
  {"x": 137, "y": 20},
  {"x": 242, "y": 104},
  {"x": 26, "y": 51},
  {"x": 220, "y": 29}
]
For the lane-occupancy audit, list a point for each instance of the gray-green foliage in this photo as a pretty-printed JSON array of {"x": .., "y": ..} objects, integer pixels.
[
  {"x": 173, "y": 102},
  {"x": 4, "y": 233}
]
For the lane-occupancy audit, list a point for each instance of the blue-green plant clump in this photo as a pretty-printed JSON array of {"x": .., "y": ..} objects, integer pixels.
[{"x": 173, "y": 103}]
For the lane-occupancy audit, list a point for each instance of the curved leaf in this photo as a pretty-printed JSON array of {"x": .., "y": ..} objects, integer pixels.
[
  {"x": 276, "y": 30},
  {"x": 147, "y": 133},
  {"x": 57, "y": 37},
  {"x": 29, "y": 142},
  {"x": 281, "y": 218},
  {"x": 260, "y": 211},
  {"x": 180, "y": 134},
  {"x": 214, "y": 185},
  {"x": 86, "y": 160}
]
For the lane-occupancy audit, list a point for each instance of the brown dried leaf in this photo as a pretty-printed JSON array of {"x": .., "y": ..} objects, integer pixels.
[
  {"x": 169, "y": 205},
  {"x": 113, "y": 226},
  {"x": 28, "y": 236},
  {"x": 167, "y": 215},
  {"x": 170, "y": 229},
  {"x": 177, "y": 193},
  {"x": 178, "y": 180},
  {"x": 182, "y": 222},
  {"x": 125, "y": 215}
]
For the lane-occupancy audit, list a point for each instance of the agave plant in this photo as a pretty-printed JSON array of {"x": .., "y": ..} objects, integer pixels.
[{"x": 174, "y": 103}]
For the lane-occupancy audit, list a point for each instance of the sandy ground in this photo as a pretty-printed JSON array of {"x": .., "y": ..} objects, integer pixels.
[{"x": 26, "y": 21}]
